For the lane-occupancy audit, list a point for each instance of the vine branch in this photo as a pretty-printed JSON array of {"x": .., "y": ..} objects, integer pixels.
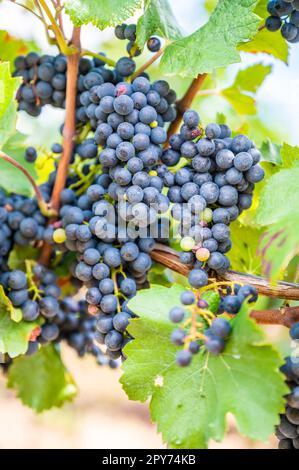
[
  {"x": 69, "y": 132},
  {"x": 69, "y": 129},
  {"x": 148, "y": 63},
  {"x": 285, "y": 316},
  {"x": 39, "y": 197},
  {"x": 281, "y": 290},
  {"x": 184, "y": 103}
]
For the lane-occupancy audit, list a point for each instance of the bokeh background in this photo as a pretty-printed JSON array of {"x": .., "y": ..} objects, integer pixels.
[{"x": 102, "y": 416}]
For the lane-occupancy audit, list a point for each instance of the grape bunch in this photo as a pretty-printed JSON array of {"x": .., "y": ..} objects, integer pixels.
[
  {"x": 209, "y": 192},
  {"x": 128, "y": 31},
  {"x": 109, "y": 265},
  {"x": 37, "y": 294},
  {"x": 126, "y": 188},
  {"x": 44, "y": 81},
  {"x": 284, "y": 16},
  {"x": 21, "y": 222},
  {"x": 78, "y": 328},
  {"x": 287, "y": 431},
  {"x": 200, "y": 327}
]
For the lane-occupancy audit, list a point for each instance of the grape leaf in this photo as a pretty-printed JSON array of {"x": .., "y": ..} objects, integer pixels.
[
  {"x": 11, "y": 178},
  {"x": 278, "y": 246},
  {"x": 190, "y": 404},
  {"x": 153, "y": 305},
  {"x": 269, "y": 43},
  {"x": 11, "y": 47},
  {"x": 266, "y": 41},
  {"x": 289, "y": 156},
  {"x": 271, "y": 152},
  {"x": 14, "y": 334},
  {"x": 243, "y": 255},
  {"x": 8, "y": 105},
  {"x": 101, "y": 13},
  {"x": 247, "y": 82},
  {"x": 243, "y": 104},
  {"x": 279, "y": 198},
  {"x": 251, "y": 78},
  {"x": 215, "y": 43},
  {"x": 19, "y": 254},
  {"x": 278, "y": 207},
  {"x": 41, "y": 380},
  {"x": 157, "y": 19}
]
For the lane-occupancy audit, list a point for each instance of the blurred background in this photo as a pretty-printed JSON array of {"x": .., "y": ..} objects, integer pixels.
[{"x": 102, "y": 416}]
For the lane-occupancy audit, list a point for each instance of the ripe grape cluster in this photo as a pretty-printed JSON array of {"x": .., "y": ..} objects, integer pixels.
[
  {"x": 200, "y": 327},
  {"x": 38, "y": 296},
  {"x": 110, "y": 266},
  {"x": 287, "y": 431},
  {"x": 44, "y": 81},
  {"x": 128, "y": 31},
  {"x": 126, "y": 187},
  {"x": 209, "y": 192},
  {"x": 21, "y": 223},
  {"x": 284, "y": 16}
]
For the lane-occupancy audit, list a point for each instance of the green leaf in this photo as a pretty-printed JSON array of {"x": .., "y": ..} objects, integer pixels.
[
  {"x": 151, "y": 346},
  {"x": 246, "y": 241},
  {"x": 14, "y": 334},
  {"x": 269, "y": 43},
  {"x": 289, "y": 156},
  {"x": 279, "y": 198},
  {"x": 41, "y": 380},
  {"x": 266, "y": 41},
  {"x": 101, "y": 13},
  {"x": 8, "y": 104},
  {"x": 19, "y": 254},
  {"x": 251, "y": 78},
  {"x": 232, "y": 22},
  {"x": 11, "y": 47},
  {"x": 190, "y": 404},
  {"x": 271, "y": 152},
  {"x": 278, "y": 246},
  {"x": 12, "y": 179},
  {"x": 243, "y": 104},
  {"x": 247, "y": 83},
  {"x": 157, "y": 19}
]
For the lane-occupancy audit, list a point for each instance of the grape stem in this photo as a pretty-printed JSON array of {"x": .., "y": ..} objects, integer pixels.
[
  {"x": 282, "y": 290},
  {"x": 69, "y": 133},
  {"x": 184, "y": 103},
  {"x": 104, "y": 59},
  {"x": 147, "y": 64},
  {"x": 28, "y": 9},
  {"x": 58, "y": 15},
  {"x": 44, "y": 207},
  {"x": 63, "y": 46},
  {"x": 69, "y": 129}
]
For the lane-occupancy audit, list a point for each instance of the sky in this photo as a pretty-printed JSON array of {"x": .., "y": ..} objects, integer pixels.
[{"x": 278, "y": 98}]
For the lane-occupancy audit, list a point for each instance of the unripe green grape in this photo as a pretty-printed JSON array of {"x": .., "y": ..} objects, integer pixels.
[
  {"x": 207, "y": 215},
  {"x": 59, "y": 235},
  {"x": 187, "y": 243}
]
